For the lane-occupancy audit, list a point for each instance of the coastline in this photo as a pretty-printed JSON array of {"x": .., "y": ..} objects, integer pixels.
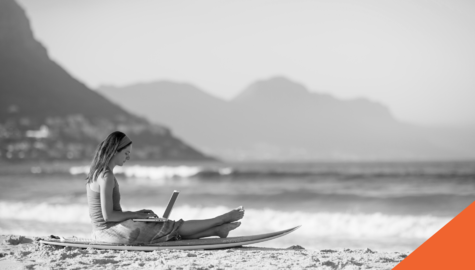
[{"x": 18, "y": 252}]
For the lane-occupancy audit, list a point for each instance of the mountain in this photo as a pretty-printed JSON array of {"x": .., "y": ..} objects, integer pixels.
[
  {"x": 279, "y": 119},
  {"x": 203, "y": 120},
  {"x": 275, "y": 90},
  {"x": 45, "y": 113}
]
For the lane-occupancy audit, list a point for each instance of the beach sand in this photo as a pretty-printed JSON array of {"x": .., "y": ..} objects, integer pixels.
[{"x": 18, "y": 252}]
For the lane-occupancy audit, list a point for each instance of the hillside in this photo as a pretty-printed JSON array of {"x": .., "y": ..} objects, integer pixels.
[
  {"x": 45, "y": 113},
  {"x": 279, "y": 119}
]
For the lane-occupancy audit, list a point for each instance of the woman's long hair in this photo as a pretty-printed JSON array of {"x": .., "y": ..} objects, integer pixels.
[{"x": 104, "y": 153}]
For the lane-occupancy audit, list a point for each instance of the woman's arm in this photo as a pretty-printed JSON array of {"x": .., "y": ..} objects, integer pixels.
[{"x": 106, "y": 186}]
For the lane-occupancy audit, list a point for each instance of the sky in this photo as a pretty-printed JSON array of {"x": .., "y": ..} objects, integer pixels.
[{"x": 414, "y": 56}]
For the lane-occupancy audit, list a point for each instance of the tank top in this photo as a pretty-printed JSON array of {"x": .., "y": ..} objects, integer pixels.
[{"x": 95, "y": 210}]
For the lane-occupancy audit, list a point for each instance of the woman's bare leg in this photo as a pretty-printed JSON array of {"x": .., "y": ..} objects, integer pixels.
[
  {"x": 191, "y": 227},
  {"x": 222, "y": 231}
]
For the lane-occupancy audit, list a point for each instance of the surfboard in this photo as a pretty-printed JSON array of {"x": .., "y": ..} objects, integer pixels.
[{"x": 204, "y": 243}]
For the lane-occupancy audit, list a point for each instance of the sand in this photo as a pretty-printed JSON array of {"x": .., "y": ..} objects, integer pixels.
[{"x": 18, "y": 252}]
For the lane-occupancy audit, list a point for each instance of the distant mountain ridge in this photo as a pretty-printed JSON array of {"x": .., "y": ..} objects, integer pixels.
[
  {"x": 47, "y": 114},
  {"x": 279, "y": 119},
  {"x": 275, "y": 89}
]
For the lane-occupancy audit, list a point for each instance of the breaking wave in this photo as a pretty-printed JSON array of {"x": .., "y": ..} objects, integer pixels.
[
  {"x": 324, "y": 224},
  {"x": 202, "y": 172},
  {"x": 137, "y": 171}
]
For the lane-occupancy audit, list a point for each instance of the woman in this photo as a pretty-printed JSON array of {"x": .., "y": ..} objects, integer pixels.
[{"x": 112, "y": 225}]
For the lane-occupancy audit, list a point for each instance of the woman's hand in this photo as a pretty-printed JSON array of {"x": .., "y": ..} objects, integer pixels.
[{"x": 145, "y": 213}]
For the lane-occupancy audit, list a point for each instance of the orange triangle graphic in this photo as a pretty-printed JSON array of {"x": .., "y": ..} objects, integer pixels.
[{"x": 452, "y": 247}]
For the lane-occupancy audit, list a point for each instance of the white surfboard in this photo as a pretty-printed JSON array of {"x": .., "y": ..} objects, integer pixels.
[{"x": 204, "y": 243}]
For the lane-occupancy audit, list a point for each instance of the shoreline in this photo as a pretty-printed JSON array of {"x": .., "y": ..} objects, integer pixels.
[{"x": 18, "y": 252}]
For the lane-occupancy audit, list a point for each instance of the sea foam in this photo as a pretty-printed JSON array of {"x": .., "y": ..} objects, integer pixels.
[
  {"x": 323, "y": 224},
  {"x": 137, "y": 171}
]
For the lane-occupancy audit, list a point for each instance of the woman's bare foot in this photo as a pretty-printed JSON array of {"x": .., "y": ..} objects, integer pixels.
[
  {"x": 223, "y": 230},
  {"x": 233, "y": 215}
]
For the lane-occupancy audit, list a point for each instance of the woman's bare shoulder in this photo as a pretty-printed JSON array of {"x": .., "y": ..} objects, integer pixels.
[{"x": 106, "y": 178}]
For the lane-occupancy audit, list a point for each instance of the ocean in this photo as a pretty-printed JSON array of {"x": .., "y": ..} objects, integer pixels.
[{"x": 387, "y": 206}]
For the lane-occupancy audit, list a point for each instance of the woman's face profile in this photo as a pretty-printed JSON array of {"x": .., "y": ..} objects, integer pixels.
[{"x": 122, "y": 156}]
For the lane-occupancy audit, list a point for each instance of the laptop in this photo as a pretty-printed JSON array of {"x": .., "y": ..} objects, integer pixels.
[{"x": 167, "y": 212}]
